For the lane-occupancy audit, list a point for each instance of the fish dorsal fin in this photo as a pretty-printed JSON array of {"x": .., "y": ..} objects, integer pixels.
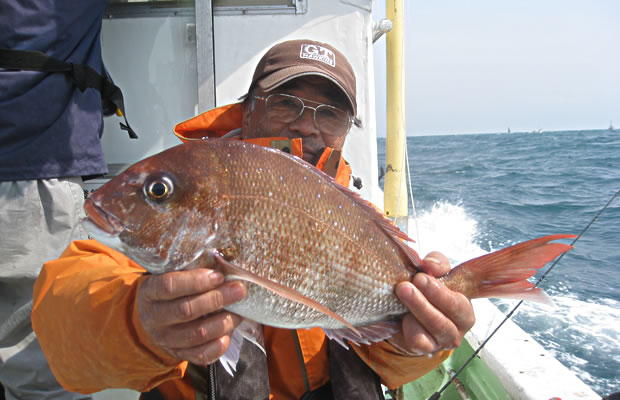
[
  {"x": 281, "y": 290},
  {"x": 368, "y": 207},
  {"x": 398, "y": 237}
]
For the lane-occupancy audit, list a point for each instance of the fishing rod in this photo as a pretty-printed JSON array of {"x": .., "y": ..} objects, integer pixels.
[{"x": 453, "y": 376}]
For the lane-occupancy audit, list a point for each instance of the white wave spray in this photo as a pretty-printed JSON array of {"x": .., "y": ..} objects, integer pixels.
[
  {"x": 446, "y": 228},
  {"x": 578, "y": 333}
]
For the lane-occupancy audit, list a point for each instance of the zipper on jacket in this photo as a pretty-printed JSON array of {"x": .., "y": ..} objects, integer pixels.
[{"x": 212, "y": 382}]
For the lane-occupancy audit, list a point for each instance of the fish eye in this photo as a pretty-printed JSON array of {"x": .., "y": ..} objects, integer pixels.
[{"x": 159, "y": 189}]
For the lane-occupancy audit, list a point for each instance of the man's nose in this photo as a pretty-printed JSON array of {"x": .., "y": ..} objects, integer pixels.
[{"x": 304, "y": 125}]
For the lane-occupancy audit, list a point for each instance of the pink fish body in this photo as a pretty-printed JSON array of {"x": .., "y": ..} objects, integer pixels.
[{"x": 314, "y": 253}]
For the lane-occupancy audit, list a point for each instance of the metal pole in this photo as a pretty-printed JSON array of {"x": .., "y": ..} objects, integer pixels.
[{"x": 395, "y": 194}]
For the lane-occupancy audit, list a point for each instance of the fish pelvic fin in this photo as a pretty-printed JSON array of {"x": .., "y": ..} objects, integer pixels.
[
  {"x": 281, "y": 290},
  {"x": 249, "y": 330},
  {"x": 230, "y": 358},
  {"x": 504, "y": 273},
  {"x": 372, "y": 333}
]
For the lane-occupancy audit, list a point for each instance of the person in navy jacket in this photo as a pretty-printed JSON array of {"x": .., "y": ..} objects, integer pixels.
[{"x": 50, "y": 139}]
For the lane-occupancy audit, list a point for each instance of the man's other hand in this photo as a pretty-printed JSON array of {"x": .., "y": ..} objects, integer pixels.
[{"x": 438, "y": 318}]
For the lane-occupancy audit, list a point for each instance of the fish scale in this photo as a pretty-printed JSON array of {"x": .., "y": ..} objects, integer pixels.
[{"x": 276, "y": 207}]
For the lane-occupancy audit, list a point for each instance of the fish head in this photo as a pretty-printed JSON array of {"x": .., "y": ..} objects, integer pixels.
[{"x": 163, "y": 211}]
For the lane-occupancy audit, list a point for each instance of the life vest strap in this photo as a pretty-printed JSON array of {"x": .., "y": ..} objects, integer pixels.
[{"x": 83, "y": 76}]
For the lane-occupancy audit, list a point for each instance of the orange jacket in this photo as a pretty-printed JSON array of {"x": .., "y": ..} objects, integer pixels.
[{"x": 85, "y": 317}]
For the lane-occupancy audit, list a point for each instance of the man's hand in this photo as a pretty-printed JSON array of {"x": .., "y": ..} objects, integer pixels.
[
  {"x": 438, "y": 317},
  {"x": 182, "y": 312}
]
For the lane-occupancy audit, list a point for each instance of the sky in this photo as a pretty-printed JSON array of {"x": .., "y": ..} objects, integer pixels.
[{"x": 486, "y": 66}]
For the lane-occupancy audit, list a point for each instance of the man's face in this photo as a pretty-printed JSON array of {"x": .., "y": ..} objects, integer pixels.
[{"x": 318, "y": 90}]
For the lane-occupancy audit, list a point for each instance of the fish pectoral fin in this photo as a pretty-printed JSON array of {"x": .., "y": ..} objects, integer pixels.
[
  {"x": 372, "y": 333},
  {"x": 281, "y": 290},
  {"x": 253, "y": 332}
]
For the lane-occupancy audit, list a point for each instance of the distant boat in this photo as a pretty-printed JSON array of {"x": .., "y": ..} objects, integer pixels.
[
  {"x": 508, "y": 131},
  {"x": 611, "y": 126}
]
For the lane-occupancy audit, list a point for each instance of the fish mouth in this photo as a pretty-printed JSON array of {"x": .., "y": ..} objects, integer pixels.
[{"x": 101, "y": 219}]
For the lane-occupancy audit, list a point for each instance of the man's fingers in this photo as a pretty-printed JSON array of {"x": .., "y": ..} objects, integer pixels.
[
  {"x": 173, "y": 285},
  {"x": 436, "y": 264},
  {"x": 417, "y": 299},
  {"x": 204, "y": 354},
  {"x": 199, "y": 331},
  {"x": 438, "y": 316},
  {"x": 413, "y": 339},
  {"x": 455, "y": 306},
  {"x": 192, "y": 307}
]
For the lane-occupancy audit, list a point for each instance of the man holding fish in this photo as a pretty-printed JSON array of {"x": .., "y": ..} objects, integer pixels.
[{"x": 103, "y": 322}]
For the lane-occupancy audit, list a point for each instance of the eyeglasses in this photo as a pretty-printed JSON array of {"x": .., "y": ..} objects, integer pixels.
[{"x": 287, "y": 108}]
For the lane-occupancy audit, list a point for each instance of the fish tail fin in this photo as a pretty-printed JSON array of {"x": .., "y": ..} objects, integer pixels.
[{"x": 504, "y": 273}]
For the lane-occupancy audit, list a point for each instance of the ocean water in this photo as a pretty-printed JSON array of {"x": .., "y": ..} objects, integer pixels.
[{"x": 481, "y": 192}]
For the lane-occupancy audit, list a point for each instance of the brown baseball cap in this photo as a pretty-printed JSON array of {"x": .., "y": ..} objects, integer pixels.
[{"x": 294, "y": 58}]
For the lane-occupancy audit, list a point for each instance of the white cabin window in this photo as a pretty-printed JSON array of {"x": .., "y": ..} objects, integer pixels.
[{"x": 146, "y": 8}]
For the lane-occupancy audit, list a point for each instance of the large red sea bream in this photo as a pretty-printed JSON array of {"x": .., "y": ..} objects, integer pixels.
[{"x": 314, "y": 253}]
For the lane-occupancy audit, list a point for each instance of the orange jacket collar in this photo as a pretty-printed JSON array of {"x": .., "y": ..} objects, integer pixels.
[{"x": 210, "y": 124}]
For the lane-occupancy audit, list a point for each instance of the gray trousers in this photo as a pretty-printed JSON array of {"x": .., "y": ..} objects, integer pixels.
[{"x": 38, "y": 220}]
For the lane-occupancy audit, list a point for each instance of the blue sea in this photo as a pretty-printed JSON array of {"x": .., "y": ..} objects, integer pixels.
[{"x": 478, "y": 193}]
